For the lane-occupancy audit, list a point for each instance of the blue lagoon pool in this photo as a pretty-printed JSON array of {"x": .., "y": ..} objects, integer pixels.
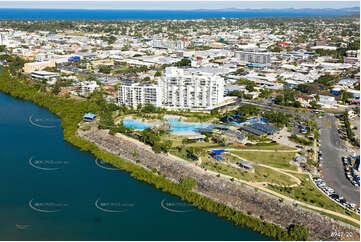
[{"x": 172, "y": 123}]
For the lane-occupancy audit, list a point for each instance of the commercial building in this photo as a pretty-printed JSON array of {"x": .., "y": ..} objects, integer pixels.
[
  {"x": 132, "y": 94},
  {"x": 38, "y": 66},
  {"x": 191, "y": 89},
  {"x": 44, "y": 75},
  {"x": 253, "y": 57},
  {"x": 327, "y": 101}
]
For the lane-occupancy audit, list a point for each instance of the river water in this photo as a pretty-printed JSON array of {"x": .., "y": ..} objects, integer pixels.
[{"x": 50, "y": 190}]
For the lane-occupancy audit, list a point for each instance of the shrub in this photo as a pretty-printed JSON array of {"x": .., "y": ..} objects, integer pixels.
[{"x": 188, "y": 182}]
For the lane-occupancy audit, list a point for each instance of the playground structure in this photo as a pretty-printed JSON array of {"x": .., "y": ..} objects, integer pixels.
[{"x": 216, "y": 154}]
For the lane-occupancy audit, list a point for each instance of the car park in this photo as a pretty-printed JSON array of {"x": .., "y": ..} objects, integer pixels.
[{"x": 333, "y": 195}]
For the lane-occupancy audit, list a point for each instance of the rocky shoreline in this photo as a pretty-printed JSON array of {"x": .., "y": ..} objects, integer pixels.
[{"x": 235, "y": 194}]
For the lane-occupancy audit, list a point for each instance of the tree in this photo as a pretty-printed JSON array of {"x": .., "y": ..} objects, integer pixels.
[
  {"x": 157, "y": 148},
  {"x": 166, "y": 145},
  {"x": 56, "y": 89},
  {"x": 345, "y": 95},
  {"x": 317, "y": 97},
  {"x": 104, "y": 69},
  {"x": 279, "y": 99},
  {"x": 297, "y": 104},
  {"x": 314, "y": 104},
  {"x": 275, "y": 49},
  {"x": 265, "y": 93},
  {"x": 139, "y": 107},
  {"x": 298, "y": 232},
  {"x": 250, "y": 87},
  {"x": 2, "y": 48},
  {"x": 188, "y": 183},
  {"x": 325, "y": 80},
  {"x": 149, "y": 108},
  {"x": 247, "y": 109},
  {"x": 184, "y": 62},
  {"x": 146, "y": 79},
  {"x": 240, "y": 71},
  {"x": 157, "y": 74}
]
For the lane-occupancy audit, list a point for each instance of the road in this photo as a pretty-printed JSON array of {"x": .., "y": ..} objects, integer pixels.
[
  {"x": 332, "y": 148},
  {"x": 332, "y": 169}
]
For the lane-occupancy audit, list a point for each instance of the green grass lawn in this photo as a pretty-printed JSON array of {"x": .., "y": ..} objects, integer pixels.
[
  {"x": 274, "y": 159},
  {"x": 307, "y": 192},
  {"x": 261, "y": 174},
  {"x": 264, "y": 147}
]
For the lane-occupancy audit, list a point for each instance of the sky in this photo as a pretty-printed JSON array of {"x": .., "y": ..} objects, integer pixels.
[{"x": 173, "y": 4}]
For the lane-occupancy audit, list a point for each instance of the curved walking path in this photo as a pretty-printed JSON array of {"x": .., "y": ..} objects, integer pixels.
[
  {"x": 280, "y": 170},
  {"x": 298, "y": 181},
  {"x": 261, "y": 187},
  {"x": 255, "y": 150},
  {"x": 308, "y": 205}
]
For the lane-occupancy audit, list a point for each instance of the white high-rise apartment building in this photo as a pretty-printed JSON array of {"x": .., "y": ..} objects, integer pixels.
[
  {"x": 87, "y": 87},
  {"x": 254, "y": 57},
  {"x": 169, "y": 44},
  {"x": 132, "y": 94},
  {"x": 4, "y": 39},
  {"x": 191, "y": 89},
  {"x": 177, "y": 89}
]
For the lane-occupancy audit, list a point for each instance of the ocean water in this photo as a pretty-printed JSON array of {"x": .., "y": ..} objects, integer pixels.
[
  {"x": 50, "y": 190},
  {"x": 81, "y": 14}
]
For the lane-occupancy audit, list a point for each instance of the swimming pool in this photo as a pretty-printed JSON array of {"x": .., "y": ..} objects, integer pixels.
[
  {"x": 172, "y": 123},
  {"x": 175, "y": 126},
  {"x": 137, "y": 124}
]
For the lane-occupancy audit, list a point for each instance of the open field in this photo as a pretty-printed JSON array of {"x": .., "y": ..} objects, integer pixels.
[
  {"x": 275, "y": 159},
  {"x": 261, "y": 174}
]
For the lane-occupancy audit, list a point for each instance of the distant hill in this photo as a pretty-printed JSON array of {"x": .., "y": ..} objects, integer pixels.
[{"x": 294, "y": 10}]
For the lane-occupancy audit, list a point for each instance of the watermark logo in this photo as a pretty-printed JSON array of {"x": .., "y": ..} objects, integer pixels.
[
  {"x": 104, "y": 165},
  {"x": 47, "y": 165},
  {"x": 38, "y": 122},
  {"x": 22, "y": 226},
  {"x": 113, "y": 206},
  {"x": 176, "y": 207},
  {"x": 47, "y": 207}
]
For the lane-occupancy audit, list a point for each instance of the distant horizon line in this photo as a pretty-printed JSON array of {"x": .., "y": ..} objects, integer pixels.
[{"x": 170, "y": 9}]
